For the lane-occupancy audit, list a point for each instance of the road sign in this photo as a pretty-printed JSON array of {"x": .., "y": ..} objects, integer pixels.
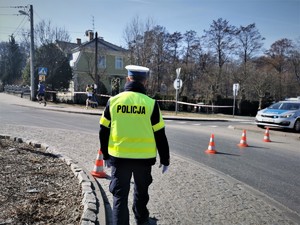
[
  {"x": 42, "y": 71},
  {"x": 235, "y": 88},
  {"x": 177, "y": 83},
  {"x": 42, "y": 77},
  {"x": 178, "y": 72}
]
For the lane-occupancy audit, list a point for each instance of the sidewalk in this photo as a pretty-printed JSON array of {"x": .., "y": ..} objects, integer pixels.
[{"x": 188, "y": 194}]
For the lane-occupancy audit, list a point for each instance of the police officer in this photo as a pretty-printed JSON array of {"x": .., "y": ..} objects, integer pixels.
[{"x": 131, "y": 129}]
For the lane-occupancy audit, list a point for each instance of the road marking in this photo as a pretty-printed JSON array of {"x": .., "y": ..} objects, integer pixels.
[{"x": 248, "y": 122}]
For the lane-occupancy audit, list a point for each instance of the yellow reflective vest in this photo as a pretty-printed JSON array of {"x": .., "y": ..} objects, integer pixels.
[{"x": 131, "y": 131}]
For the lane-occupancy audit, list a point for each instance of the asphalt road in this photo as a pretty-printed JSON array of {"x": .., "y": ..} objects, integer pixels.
[{"x": 272, "y": 168}]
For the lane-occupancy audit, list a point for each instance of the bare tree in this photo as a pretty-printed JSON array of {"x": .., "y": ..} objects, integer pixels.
[
  {"x": 155, "y": 40},
  {"x": 191, "y": 57},
  {"x": 295, "y": 61},
  {"x": 45, "y": 33},
  {"x": 173, "y": 53},
  {"x": 261, "y": 85},
  {"x": 249, "y": 43},
  {"x": 134, "y": 36},
  {"x": 220, "y": 42},
  {"x": 278, "y": 56}
]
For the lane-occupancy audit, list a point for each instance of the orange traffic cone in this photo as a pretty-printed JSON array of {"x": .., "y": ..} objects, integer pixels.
[
  {"x": 267, "y": 136},
  {"x": 98, "y": 168},
  {"x": 211, "y": 146},
  {"x": 243, "y": 142}
]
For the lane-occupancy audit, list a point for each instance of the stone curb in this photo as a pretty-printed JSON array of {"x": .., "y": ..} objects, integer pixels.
[{"x": 89, "y": 201}]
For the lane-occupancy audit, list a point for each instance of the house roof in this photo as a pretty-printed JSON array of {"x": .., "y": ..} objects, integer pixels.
[
  {"x": 66, "y": 47},
  {"x": 102, "y": 42}
]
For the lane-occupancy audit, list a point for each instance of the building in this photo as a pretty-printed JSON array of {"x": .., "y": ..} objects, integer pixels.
[{"x": 109, "y": 64}]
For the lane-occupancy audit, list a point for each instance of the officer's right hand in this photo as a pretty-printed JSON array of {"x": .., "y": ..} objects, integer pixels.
[
  {"x": 164, "y": 168},
  {"x": 107, "y": 163}
]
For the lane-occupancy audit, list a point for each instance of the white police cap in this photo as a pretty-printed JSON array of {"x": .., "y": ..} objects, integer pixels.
[{"x": 137, "y": 71}]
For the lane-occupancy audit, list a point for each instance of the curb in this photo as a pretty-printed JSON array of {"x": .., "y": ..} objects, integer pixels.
[{"x": 91, "y": 193}]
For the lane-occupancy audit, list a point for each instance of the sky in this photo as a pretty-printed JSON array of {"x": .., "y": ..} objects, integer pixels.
[{"x": 275, "y": 19}]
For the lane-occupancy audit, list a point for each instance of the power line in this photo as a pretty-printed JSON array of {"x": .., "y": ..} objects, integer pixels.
[
  {"x": 6, "y": 14},
  {"x": 9, "y": 11},
  {"x": 21, "y": 23},
  {"x": 12, "y": 7},
  {"x": 5, "y": 7}
]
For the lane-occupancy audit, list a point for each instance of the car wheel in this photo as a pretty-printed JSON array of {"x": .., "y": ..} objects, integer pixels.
[
  {"x": 261, "y": 126},
  {"x": 297, "y": 125}
]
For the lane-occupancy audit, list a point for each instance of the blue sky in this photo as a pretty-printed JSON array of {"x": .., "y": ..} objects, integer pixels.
[{"x": 275, "y": 19}]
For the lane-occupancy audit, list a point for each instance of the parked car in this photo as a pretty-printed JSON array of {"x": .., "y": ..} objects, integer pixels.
[{"x": 283, "y": 114}]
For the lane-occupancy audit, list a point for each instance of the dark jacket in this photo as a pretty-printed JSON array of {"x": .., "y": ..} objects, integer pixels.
[{"x": 160, "y": 136}]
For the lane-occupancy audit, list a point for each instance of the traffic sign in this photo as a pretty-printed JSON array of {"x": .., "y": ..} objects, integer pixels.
[
  {"x": 235, "y": 88},
  {"x": 42, "y": 77},
  {"x": 178, "y": 72},
  {"x": 177, "y": 83},
  {"x": 42, "y": 71}
]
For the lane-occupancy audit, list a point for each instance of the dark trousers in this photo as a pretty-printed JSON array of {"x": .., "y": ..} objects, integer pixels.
[{"x": 120, "y": 186}]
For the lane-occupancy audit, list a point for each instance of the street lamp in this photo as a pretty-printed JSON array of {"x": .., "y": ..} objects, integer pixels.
[{"x": 32, "y": 91}]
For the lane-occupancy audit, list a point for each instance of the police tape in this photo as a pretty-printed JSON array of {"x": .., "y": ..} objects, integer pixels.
[
  {"x": 195, "y": 104},
  {"x": 174, "y": 101}
]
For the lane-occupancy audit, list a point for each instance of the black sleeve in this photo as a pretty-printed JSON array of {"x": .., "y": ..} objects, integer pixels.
[
  {"x": 162, "y": 144},
  {"x": 104, "y": 133},
  {"x": 155, "y": 117}
]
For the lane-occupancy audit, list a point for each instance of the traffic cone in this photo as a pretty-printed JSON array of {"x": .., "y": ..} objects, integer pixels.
[
  {"x": 98, "y": 168},
  {"x": 267, "y": 136},
  {"x": 243, "y": 142},
  {"x": 211, "y": 146}
]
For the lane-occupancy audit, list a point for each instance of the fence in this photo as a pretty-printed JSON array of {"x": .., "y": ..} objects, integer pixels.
[{"x": 18, "y": 90}]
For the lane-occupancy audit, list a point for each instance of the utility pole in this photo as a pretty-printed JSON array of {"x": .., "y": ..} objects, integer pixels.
[
  {"x": 96, "y": 63},
  {"x": 32, "y": 80}
]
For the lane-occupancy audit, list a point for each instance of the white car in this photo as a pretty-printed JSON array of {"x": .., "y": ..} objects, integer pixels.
[{"x": 283, "y": 114}]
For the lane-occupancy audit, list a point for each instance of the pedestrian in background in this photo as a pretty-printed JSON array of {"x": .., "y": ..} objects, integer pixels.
[
  {"x": 94, "y": 102},
  {"x": 41, "y": 93},
  {"x": 132, "y": 130},
  {"x": 89, "y": 93}
]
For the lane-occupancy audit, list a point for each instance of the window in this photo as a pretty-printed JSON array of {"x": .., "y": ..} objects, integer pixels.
[
  {"x": 102, "y": 62},
  {"x": 119, "y": 62}
]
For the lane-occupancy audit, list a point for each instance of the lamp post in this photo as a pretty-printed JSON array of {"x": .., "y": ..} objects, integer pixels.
[{"x": 32, "y": 84}]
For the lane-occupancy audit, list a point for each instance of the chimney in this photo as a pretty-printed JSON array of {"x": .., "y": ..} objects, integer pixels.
[
  {"x": 91, "y": 35},
  {"x": 78, "y": 41}
]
